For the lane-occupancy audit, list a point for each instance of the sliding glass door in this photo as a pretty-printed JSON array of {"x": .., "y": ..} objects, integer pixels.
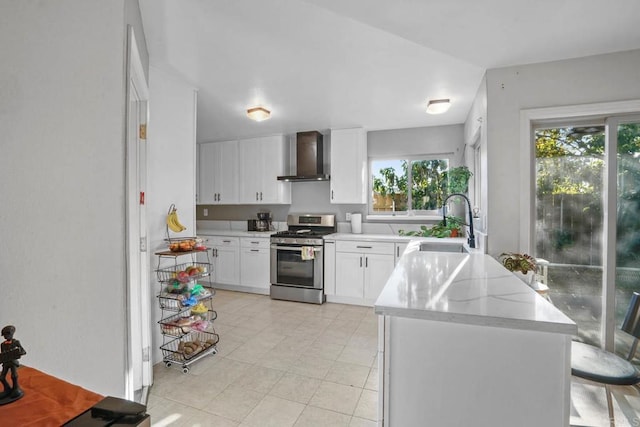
[
  {"x": 627, "y": 227},
  {"x": 588, "y": 221}
]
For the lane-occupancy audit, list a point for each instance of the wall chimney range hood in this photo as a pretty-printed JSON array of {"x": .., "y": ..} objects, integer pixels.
[{"x": 309, "y": 158}]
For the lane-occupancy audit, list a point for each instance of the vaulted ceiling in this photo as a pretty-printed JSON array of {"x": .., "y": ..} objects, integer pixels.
[{"x": 320, "y": 64}]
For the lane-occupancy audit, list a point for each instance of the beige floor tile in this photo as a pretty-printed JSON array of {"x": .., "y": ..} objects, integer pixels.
[
  {"x": 171, "y": 413},
  {"x": 361, "y": 422},
  {"x": 336, "y": 397},
  {"x": 274, "y": 412},
  {"x": 243, "y": 334},
  {"x": 348, "y": 374},
  {"x": 343, "y": 325},
  {"x": 227, "y": 344},
  {"x": 318, "y": 417},
  {"x": 372, "y": 380},
  {"x": 369, "y": 342},
  {"x": 357, "y": 356},
  {"x": 260, "y": 379},
  {"x": 281, "y": 361},
  {"x": 367, "y": 406},
  {"x": 205, "y": 419},
  {"x": 324, "y": 350},
  {"x": 248, "y": 353},
  {"x": 234, "y": 403},
  {"x": 334, "y": 336},
  {"x": 311, "y": 366},
  {"x": 225, "y": 372},
  {"x": 295, "y": 387},
  {"x": 196, "y": 392}
]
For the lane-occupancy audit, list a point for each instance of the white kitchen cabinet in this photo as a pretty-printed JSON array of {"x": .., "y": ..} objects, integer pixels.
[
  {"x": 262, "y": 160},
  {"x": 254, "y": 259},
  {"x": 348, "y": 166},
  {"x": 329, "y": 267},
  {"x": 218, "y": 173},
  {"x": 362, "y": 269},
  {"x": 226, "y": 259}
]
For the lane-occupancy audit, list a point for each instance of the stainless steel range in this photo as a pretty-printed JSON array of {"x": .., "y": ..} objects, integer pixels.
[{"x": 297, "y": 258}]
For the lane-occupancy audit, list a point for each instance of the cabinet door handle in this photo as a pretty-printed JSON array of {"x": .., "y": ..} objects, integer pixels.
[
  {"x": 398, "y": 251},
  {"x": 366, "y": 262},
  {"x": 226, "y": 241},
  {"x": 331, "y": 194},
  {"x": 256, "y": 195},
  {"x": 218, "y": 196},
  {"x": 254, "y": 250},
  {"x": 364, "y": 247},
  {"x": 254, "y": 243},
  {"x": 261, "y": 196},
  {"x": 361, "y": 262}
]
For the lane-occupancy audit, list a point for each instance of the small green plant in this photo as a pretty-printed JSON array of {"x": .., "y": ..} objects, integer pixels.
[
  {"x": 518, "y": 262},
  {"x": 459, "y": 179},
  {"x": 438, "y": 230}
]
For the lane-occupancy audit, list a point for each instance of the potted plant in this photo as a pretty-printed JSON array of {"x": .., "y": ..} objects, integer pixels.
[
  {"x": 522, "y": 265},
  {"x": 451, "y": 229},
  {"x": 459, "y": 179}
]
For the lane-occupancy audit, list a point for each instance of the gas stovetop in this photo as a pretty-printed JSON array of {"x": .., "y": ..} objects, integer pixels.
[{"x": 306, "y": 229}]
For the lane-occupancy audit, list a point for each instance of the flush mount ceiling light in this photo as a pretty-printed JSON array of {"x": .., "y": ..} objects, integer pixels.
[
  {"x": 438, "y": 106},
  {"x": 258, "y": 113}
]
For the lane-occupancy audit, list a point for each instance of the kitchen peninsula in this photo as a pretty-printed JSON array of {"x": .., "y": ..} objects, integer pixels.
[{"x": 462, "y": 341}]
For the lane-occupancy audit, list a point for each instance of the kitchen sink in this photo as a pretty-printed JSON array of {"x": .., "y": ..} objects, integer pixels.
[{"x": 442, "y": 247}]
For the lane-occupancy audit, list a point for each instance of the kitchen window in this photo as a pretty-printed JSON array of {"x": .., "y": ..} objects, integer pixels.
[{"x": 407, "y": 186}]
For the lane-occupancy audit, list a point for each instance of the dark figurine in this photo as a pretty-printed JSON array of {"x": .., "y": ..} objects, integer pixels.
[{"x": 11, "y": 351}]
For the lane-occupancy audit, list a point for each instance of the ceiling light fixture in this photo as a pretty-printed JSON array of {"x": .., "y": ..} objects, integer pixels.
[
  {"x": 258, "y": 113},
  {"x": 438, "y": 106}
]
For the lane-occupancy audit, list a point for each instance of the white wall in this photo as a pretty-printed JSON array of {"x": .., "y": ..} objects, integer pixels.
[
  {"x": 62, "y": 218},
  {"x": 417, "y": 141},
  {"x": 601, "y": 78},
  {"x": 475, "y": 127},
  {"x": 171, "y": 172}
]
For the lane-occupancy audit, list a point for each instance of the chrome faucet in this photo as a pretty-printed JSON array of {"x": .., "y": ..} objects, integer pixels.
[{"x": 472, "y": 238}]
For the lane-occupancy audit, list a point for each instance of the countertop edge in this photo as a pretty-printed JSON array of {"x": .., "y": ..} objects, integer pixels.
[{"x": 477, "y": 320}]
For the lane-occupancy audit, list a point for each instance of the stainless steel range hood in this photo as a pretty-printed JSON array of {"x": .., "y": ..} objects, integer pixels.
[{"x": 309, "y": 158}]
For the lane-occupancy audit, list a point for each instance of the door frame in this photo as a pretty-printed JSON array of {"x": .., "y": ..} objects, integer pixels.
[
  {"x": 139, "y": 371},
  {"x": 528, "y": 119}
]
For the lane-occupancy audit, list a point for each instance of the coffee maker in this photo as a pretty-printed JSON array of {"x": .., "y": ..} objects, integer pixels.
[{"x": 264, "y": 221}]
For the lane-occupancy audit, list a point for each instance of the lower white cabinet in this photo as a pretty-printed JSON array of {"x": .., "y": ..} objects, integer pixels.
[
  {"x": 362, "y": 269},
  {"x": 254, "y": 261},
  {"x": 226, "y": 259}
]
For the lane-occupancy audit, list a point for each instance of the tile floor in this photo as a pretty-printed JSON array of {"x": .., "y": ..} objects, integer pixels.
[
  {"x": 290, "y": 364},
  {"x": 279, "y": 364}
]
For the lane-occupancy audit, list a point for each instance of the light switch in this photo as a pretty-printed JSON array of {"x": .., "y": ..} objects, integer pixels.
[{"x": 205, "y": 212}]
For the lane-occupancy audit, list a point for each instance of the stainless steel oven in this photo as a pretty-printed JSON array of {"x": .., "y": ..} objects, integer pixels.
[
  {"x": 297, "y": 258},
  {"x": 290, "y": 269}
]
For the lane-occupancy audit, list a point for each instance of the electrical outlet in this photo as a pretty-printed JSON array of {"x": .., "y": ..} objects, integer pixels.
[
  {"x": 205, "y": 212},
  {"x": 348, "y": 216}
]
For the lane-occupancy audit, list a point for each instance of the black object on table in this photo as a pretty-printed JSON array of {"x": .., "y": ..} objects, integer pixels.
[{"x": 112, "y": 411}]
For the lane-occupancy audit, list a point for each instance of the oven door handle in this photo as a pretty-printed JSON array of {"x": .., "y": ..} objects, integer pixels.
[{"x": 295, "y": 248}]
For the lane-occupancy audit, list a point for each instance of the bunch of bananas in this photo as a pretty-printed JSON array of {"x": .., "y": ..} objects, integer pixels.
[{"x": 172, "y": 220}]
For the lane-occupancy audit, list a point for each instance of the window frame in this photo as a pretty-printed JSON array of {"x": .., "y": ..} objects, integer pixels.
[{"x": 409, "y": 214}]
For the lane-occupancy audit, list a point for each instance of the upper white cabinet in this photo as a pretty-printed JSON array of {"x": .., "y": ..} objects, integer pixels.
[
  {"x": 348, "y": 166},
  {"x": 218, "y": 173},
  {"x": 262, "y": 160}
]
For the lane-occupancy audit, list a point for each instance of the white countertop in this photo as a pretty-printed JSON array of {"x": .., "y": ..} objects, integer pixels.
[
  {"x": 391, "y": 238},
  {"x": 235, "y": 233},
  {"x": 466, "y": 288}
]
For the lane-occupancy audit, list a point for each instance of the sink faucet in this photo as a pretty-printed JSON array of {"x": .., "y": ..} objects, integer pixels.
[{"x": 472, "y": 238}]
